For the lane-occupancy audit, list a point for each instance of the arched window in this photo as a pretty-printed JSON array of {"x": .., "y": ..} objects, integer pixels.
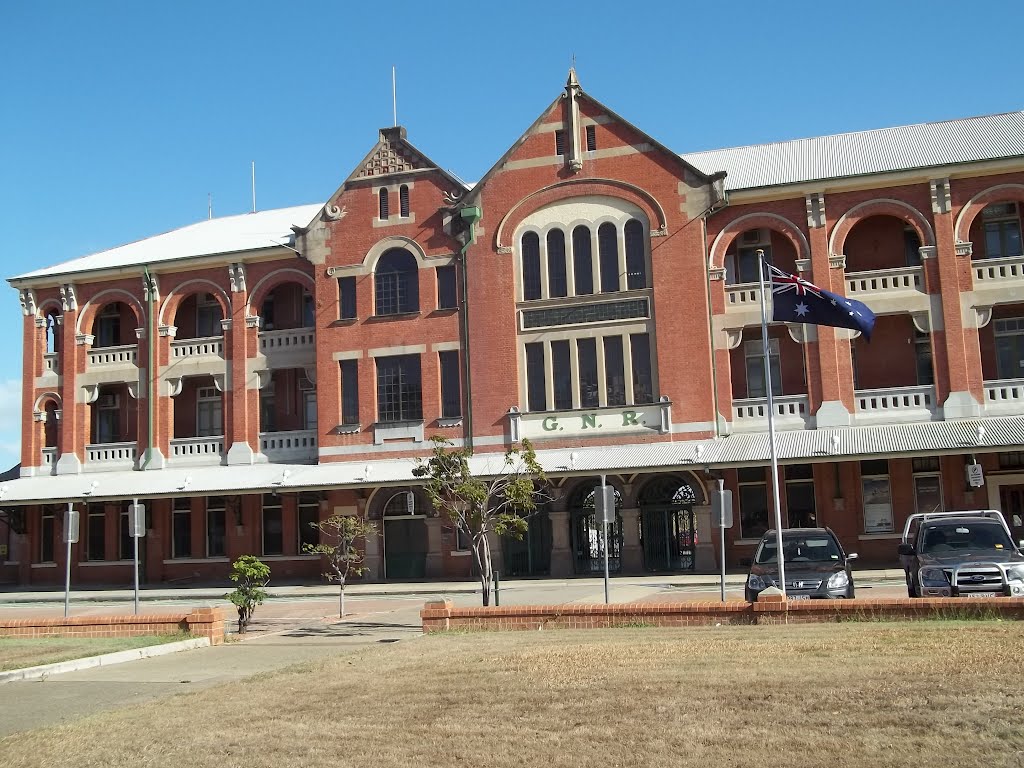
[
  {"x": 608, "y": 253},
  {"x": 403, "y": 200},
  {"x": 52, "y": 337},
  {"x": 582, "y": 261},
  {"x": 384, "y": 211},
  {"x": 636, "y": 268},
  {"x": 396, "y": 283},
  {"x": 557, "y": 283},
  {"x": 531, "y": 266}
]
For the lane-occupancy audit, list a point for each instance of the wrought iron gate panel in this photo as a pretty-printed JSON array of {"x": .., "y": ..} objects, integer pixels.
[{"x": 669, "y": 538}]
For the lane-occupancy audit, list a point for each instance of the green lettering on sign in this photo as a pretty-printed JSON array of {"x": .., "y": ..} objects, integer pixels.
[
  {"x": 629, "y": 419},
  {"x": 589, "y": 420},
  {"x": 550, "y": 424}
]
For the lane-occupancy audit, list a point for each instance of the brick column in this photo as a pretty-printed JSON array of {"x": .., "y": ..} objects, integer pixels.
[
  {"x": 74, "y": 427},
  {"x": 241, "y": 412},
  {"x": 31, "y": 367},
  {"x": 958, "y": 336}
]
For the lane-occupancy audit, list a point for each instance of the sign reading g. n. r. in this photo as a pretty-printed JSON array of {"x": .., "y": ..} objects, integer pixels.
[{"x": 592, "y": 423}]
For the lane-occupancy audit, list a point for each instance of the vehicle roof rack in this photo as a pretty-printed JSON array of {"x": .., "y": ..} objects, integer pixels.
[{"x": 993, "y": 514}]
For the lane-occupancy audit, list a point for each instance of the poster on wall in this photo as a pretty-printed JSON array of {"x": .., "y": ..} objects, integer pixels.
[
  {"x": 928, "y": 493},
  {"x": 877, "y": 505}
]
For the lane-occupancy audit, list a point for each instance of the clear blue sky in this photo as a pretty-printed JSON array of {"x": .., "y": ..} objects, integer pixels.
[{"x": 119, "y": 117}]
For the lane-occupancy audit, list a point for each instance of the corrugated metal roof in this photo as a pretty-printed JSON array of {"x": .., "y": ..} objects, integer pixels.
[
  {"x": 878, "y": 151},
  {"x": 838, "y": 444},
  {"x": 228, "y": 234}
]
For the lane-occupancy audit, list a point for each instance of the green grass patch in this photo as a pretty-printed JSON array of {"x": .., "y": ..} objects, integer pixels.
[{"x": 21, "y": 652}]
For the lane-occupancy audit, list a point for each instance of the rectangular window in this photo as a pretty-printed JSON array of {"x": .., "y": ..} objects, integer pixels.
[
  {"x": 643, "y": 385},
  {"x": 586, "y": 350},
  {"x": 876, "y": 496},
  {"x": 108, "y": 418},
  {"x": 447, "y": 293},
  {"x": 1009, "y": 338},
  {"x": 349, "y": 392},
  {"x": 923, "y": 358},
  {"x": 614, "y": 370},
  {"x": 753, "y": 352},
  {"x": 273, "y": 525},
  {"x": 559, "y": 142},
  {"x": 216, "y": 526},
  {"x": 346, "y": 298},
  {"x": 126, "y": 546},
  {"x": 108, "y": 327},
  {"x": 208, "y": 317},
  {"x": 181, "y": 528},
  {"x": 928, "y": 493},
  {"x": 47, "y": 533},
  {"x": 753, "y": 491},
  {"x": 451, "y": 394},
  {"x": 800, "y": 506},
  {"x": 561, "y": 375},
  {"x": 96, "y": 534},
  {"x": 399, "y": 388},
  {"x": 743, "y": 266},
  {"x": 1002, "y": 230},
  {"x": 209, "y": 412},
  {"x": 591, "y": 138},
  {"x": 462, "y": 541},
  {"x": 268, "y": 409},
  {"x": 309, "y": 515},
  {"x": 536, "y": 378},
  {"x": 309, "y": 409}
]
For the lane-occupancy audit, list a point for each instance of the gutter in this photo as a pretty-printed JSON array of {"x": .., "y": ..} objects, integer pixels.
[
  {"x": 718, "y": 205},
  {"x": 150, "y": 291},
  {"x": 470, "y": 215}
]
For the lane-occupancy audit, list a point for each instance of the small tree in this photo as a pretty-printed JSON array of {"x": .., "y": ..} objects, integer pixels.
[
  {"x": 251, "y": 575},
  {"x": 498, "y": 502},
  {"x": 344, "y": 558}
]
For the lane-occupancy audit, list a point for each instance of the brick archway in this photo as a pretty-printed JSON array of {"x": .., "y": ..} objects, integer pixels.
[
  {"x": 273, "y": 280},
  {"x": 879, "y": 207},
  {"x": 1003, "y": 193},
  {"x": 93, "y": 306},
  {"x": 772, "y": 221},
  {"x": 172, "y": 303}
]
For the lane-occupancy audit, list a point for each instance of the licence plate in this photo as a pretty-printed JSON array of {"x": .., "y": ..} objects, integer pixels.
[
  {"x": 797, "y": 597},
  {"x": 981, "y": 594}
]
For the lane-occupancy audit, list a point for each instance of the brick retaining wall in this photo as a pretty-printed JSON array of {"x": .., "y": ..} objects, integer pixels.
[
  {"x": 201, "y": 622},
  {"x": 441, "y": 615}
]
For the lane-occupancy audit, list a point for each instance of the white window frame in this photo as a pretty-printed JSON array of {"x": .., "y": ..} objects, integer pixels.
[
  {"x": 753, "y": 354},
  {"x": 877, "y": 506},
  {"x": 917, "y": 501},
  {"x": 175, "y": 511},
  {"x": 207, "y": 304},
  {"x": 209, "y": 396}
]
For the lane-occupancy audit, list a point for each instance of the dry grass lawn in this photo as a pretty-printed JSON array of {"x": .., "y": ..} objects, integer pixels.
[
  {"x": 21, "y": 652},
  {"x": 836, "y": 695}
]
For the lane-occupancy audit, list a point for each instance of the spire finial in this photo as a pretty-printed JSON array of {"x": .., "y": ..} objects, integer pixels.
[{"x": 572, "y": 82}]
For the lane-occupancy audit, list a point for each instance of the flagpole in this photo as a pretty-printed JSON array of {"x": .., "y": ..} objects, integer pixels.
[{"x": 771, "y": 424}]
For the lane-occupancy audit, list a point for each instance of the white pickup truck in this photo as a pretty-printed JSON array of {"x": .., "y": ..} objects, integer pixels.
[{"x": 961, "y": 554}]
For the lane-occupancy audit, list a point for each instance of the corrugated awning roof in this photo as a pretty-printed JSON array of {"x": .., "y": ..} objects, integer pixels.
[
  {"x": 838, "y": 444},
  {"x": 882, "y": 150}
]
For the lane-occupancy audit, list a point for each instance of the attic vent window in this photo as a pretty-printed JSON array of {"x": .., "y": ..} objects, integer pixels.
[
  {"x": 403, "y": 200},
  {"x": 591, "y": 138},
  {"x": 560, "y": 143},
  {"x": 384, "y": 213}
]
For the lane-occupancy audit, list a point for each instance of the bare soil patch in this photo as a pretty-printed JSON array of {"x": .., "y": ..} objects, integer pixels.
[{"x": 886, "y": 694}]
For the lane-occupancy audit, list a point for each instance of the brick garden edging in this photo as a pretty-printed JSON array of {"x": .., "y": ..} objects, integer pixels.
[
  {"x": 441, "y": 615},
  {"x": 201, "y": 622}
]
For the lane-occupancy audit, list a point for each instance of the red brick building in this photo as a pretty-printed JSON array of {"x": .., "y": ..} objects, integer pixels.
[{"x": 595, "y": 292}]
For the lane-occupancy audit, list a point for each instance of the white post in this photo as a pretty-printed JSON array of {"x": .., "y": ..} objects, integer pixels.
[
  {"x": 135, "y": 503},
  {"x": 721, "y": 532},
  {"x": 771, "y": 423},
  {"x": 67, "y": 566},
  {"x": 604, "y": 528}
]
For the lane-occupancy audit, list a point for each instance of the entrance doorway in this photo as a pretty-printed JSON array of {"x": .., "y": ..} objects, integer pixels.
[
  {"x": 1011, "y": 503},
  {"x": 530, "y": 555},
  {"x": 668, "y": 531},
  {"x": 587, "y": 537},
  {"x": 404, "y": 537}
]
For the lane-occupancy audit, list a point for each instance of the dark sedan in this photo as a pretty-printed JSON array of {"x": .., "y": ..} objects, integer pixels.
[{"x": 815, "y": 563}]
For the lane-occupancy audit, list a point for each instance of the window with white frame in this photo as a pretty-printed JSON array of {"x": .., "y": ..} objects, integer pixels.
[
  {"x": 216, "y": 526},
  {"x": 1002, "y": 230},
  {"x": 927, "y": 485},
  {"x": 1009, "y": 338},
  {"x": 396, "y": 283},
  {"x": 208, "y": 316},
  {"x": 108, "y": 326},
  {"x": 753, "y": 354},
  {"x": 308, "y": 392},
  {"x": 108, "y": 418},
  {"x": 741, "y": 262},
  {"x": 801, "y": 511},
  {"x": 96, "y": 533},
  {"x": 876, "y": 496},
  {"x": 268, "y": 408},
  {"x": 399, "y": 388},
  {"x": 181, "y": 528},
  {"x": 47, "y": 534},
  {"x": 209, "y": 412}
]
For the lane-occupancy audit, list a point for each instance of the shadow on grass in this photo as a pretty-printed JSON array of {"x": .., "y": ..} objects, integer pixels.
[{"x": 351, "y": 629}]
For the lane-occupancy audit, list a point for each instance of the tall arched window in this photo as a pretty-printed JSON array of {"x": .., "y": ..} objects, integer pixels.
[
  {"x": 52, "y": 336},
  {"x": 396, "y": 283},
  {"x": 384, "y": 209},
  {"x": 636, "y": 268},
  {"x": 582, "y": 261},
  {"x": 403, "y": 201},
  {"x": 531, "y": 266},
  {"x": 608, "y": 252},
  {"x": 557, "y": 283}
]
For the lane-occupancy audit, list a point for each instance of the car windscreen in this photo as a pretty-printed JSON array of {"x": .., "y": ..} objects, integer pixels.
[
  {"x": 964, "y": 536},
  {"x": 800, "y": 549}
]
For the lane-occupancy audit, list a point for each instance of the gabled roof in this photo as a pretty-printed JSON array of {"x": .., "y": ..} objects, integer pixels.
[
  {"x": 573, "y": 83},
  {"x": 884, "y": 150},
  {"x": 229, "y": 234}
]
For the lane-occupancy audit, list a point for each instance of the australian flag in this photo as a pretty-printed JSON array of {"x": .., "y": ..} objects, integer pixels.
[{"x": 795, "y": 300}]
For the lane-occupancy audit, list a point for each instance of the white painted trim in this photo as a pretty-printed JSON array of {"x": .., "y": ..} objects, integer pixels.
[
  {"x": 412, "y": 349},
  {"x": 42, "y": 565},
  {"x": 994, "y": 482},
  {"x": 446, "y": 346},
  {"x": 352, "y": 354},
  {"x": 187, "y": 560},
  {"x": 99, "y": 563}
]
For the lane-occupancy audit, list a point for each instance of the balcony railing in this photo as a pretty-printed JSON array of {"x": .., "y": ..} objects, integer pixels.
[
  {"x": 743, "y": 296},
  {"x": 51, "y": 362},
  {"x": 885, "y": 282},
  {"x": 103, "y": 456},
  {"x": 50, "y": 460},
  {"x": 997, "y": 272},
  {"x": 1004, "y": 396},
  {"x": 895, "y": 404},
  {"x": 297, "y": 445},
  {"x": 751, "y": 414},
  {"x": 124, "y": 355},
  {"x": 205, "y": 347},
  {"x": 292, "y": 339},
  {"x": 197, "y": 450}
]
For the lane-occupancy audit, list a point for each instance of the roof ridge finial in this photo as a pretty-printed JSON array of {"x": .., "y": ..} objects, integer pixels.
[{"x": 572, "y": 82}]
